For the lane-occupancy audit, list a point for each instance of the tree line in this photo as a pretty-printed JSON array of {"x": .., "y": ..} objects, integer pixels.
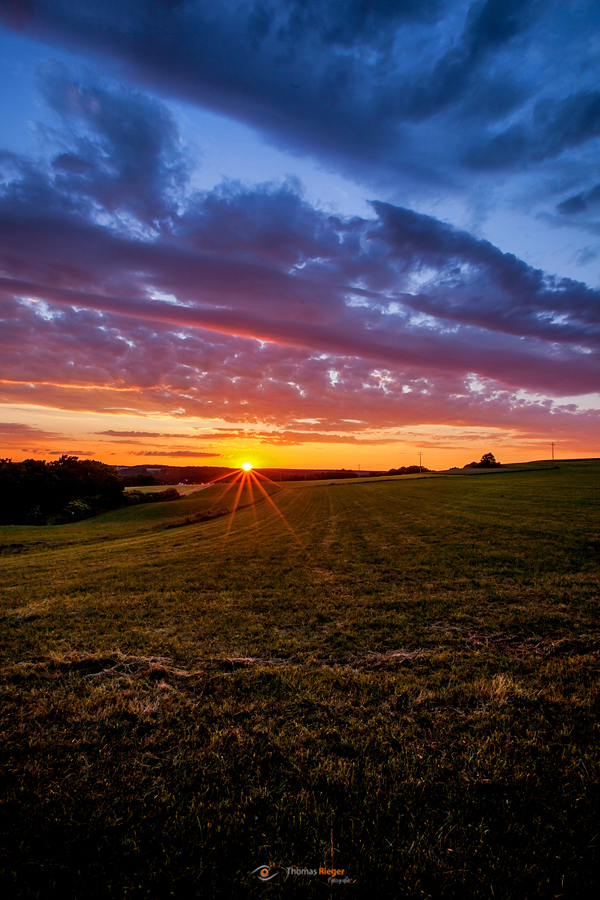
[
  {"x": 408, "y": 470},
  {"x": 36, "y": 492}
]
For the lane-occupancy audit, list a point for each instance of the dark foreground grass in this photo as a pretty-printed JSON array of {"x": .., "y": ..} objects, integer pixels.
[{"x": 405, "y": 686}]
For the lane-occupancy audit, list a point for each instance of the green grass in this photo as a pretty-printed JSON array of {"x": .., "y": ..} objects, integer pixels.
[
  {"x": 402, "y": 680},
  {"x": 182, "y": 489}
]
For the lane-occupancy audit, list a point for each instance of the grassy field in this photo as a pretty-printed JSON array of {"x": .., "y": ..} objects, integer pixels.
[
  {"x": 395, "y": 678},
  {"x": 183, "y": 489}
]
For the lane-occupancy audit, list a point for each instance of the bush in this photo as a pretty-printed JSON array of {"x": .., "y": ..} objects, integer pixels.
[
  {"x": 134, "y": 497},
  {"x": 77, "y": 510}
]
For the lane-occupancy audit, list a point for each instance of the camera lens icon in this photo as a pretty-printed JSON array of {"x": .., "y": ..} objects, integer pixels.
[{"x": 265, "y": 873}]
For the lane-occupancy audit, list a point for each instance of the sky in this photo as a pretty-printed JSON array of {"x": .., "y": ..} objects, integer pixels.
[{"x": 304, "y": 233}]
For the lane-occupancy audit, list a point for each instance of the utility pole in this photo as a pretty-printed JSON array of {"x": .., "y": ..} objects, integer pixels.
[
  {"x": 552, "y": 445},
  {"x": 420, "y": 455}
]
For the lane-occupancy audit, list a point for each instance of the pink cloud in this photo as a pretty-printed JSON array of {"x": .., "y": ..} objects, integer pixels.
[
  {"x": 18, "y": 431},
  {"x": 189, "y": 454}
]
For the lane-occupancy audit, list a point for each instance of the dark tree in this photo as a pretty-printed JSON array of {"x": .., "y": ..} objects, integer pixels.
[
  {"x": 487, "y": 461},
  {"x": 35, "y": 492}
]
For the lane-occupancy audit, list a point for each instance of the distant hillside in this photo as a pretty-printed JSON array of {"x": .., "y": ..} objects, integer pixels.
[{"x": 163, "y": 474}]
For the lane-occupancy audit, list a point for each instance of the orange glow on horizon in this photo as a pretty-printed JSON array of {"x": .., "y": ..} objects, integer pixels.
[{"x": 38, "y": 425}]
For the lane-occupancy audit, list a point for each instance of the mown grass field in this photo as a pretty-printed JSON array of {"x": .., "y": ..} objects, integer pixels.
[
  {"x": 400, "y": 678},
  {"x": 183, "y": 489}
]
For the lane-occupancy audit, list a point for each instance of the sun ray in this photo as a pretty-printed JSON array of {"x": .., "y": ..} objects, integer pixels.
[
  {"x": 229, "y": 486},
  {"x": 226, "y": 475},
  {"x": 246, "y": 476},
  {"x": 278, "y": 511},
  {"x": 252, "y": 502},
  {"x": 277, "y": 484},
  {"x": 235, "y": 506}
]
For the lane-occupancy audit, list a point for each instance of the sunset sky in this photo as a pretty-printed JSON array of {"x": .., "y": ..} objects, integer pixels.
[{"x": 299, "y": 232}]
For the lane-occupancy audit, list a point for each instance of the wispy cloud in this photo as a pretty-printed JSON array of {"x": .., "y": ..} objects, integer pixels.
[
  {"x": 169, "y": 454},
  {"x": 139, "y": 434}
]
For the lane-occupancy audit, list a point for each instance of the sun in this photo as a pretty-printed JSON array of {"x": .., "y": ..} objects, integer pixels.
[{"x": 246, "y": 466}]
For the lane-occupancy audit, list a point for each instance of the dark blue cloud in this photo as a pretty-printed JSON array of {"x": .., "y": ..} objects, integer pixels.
[
  {"x": 125, "y": 153},
  {"x": 363, "y": 23},
  {"x": 580, "y": 203},
  {"x": 554, "y": 128},
  {"x": 489, "y": 26},
  {"x": 426, "y": 91}
]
